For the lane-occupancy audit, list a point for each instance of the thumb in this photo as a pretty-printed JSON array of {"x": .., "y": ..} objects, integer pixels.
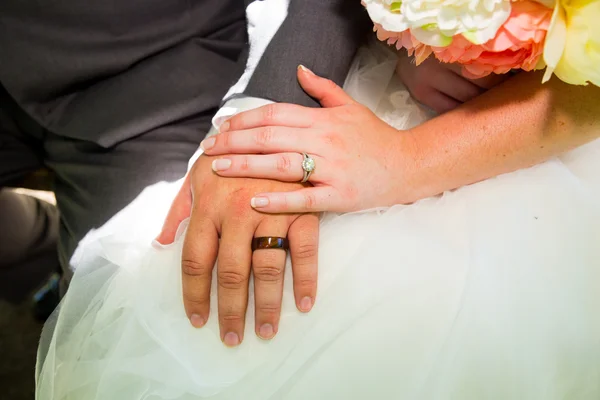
[
  {"x": 324, "y": 90},
  {"x": 179, "y": 211}
]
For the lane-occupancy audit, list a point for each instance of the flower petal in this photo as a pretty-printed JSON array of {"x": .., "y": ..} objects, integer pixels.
[{"x": 556, "y": 40}]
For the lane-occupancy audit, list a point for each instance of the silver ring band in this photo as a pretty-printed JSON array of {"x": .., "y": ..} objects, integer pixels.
[{"x": 308, "y": 166}]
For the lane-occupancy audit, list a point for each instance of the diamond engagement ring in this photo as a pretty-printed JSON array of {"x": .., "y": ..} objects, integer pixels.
[{"x": 308, "y": 165}]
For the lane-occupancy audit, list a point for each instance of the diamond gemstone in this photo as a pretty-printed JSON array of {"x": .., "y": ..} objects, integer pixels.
[{"x": 308, "y": 164}]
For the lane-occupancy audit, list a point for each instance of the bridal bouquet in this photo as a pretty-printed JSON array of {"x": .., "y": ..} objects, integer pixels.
[{"x": 485, "y": 36}]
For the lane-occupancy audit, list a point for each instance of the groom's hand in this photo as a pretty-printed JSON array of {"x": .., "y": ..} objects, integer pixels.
[{"x": 220, "y": 208}]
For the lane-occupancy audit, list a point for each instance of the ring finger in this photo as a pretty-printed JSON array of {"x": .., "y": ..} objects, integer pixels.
[
  {"x": 285, "y": 167},
  {"x": 268, "y": 267}
]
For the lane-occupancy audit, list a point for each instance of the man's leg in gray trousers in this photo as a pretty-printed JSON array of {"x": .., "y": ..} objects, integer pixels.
[
  {"x": 93, "y": 183},
  {"x": 124, "y": 98},
  {"x": 28, "y": 240},
  {"x": 28, "y": 226}
]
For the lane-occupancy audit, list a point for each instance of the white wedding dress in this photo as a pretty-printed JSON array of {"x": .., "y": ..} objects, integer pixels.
[{"x": 491, "y": 291}]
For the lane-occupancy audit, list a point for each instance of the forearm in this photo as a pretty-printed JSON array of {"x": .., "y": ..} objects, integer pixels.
[{"x": 516, "y": 125}]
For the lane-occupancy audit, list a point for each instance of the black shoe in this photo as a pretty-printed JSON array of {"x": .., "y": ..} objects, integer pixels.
[{"x": 46, "y": 299}]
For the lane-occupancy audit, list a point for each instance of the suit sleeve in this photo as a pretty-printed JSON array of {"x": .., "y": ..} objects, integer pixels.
[{"x": 323, "y": 35}]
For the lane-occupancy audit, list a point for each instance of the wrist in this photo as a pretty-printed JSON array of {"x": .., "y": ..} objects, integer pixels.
[
  {"x": 419, "y": 177},
  {"x": 405, "y": 166}
]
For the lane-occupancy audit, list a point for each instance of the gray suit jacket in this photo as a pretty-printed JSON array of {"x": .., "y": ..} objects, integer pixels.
[
  {"x": 320, "y": 34},
  {"x": 108, "y": 70}
]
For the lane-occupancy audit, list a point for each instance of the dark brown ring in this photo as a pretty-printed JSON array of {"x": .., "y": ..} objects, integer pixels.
[{"x": 270, "y": 242}]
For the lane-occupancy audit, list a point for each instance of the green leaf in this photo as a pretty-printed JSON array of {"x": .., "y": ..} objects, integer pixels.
[{"x": 395, "y": 6}]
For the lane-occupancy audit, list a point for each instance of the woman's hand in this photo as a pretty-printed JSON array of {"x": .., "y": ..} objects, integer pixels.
[
  {"x": 441, "y": 86},
  {"x": 361, "y": 162}
]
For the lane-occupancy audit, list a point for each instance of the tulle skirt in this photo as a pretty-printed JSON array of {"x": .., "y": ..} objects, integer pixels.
[{"x": 491, "y": 291}]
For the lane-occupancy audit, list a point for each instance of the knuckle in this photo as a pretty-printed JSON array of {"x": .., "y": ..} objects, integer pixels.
[
  {"x": 306, "y": 251},
  {"x": 310, "y": 201},
  {"x": 305, "y": 284},
  {"x": 196, "y": 302},
  {"x": 231, "y": 279},
  {"x": 193, "y": 268},
  {"x": 268, "y": 272},
  {"x": 264, "y": 136},
  {"x": 232, "y": 318},
  {"x": 245, "y": 163},
  {"x": 225, "y": 139},
  {"x": 269, "y": 308},
  {"x": 284, "y": 164},
  {"x": 284, "y": 203},
  {"x": 270, "y": 113}
]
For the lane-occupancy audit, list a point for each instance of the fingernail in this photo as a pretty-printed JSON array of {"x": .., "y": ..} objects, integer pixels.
[
  {"x": 197, "y": 321},
  {"x": 231, "y": 339},
  {"x": 304, "y": 69},
  {"x": 266, "y": 331},
  {"x": 306, "y": 304},
  {"x": 221, "y": 164},
  {"x": 207, "y": 143},
  {"x": 258, "y": 202},
  {"x": 224, "y": 126},
  {"x": 157, "y": 245}
]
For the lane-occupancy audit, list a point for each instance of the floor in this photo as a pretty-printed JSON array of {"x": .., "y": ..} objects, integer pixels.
[{"x": 19, "y": 335}]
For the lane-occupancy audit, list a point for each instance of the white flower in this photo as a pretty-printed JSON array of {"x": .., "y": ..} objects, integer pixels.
[
  {"x": 435, "y": 22},
  {"x": 380, "y": 12}
]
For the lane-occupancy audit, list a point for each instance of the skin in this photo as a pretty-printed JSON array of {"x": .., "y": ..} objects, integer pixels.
[
  {"x": 441, "y": 86},
  {"x": 222, "y": 224},
  {"x": 517, "y": 124}
]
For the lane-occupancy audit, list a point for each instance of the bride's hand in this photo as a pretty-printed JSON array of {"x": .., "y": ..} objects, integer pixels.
[
  {"x": 361, "y": 162},
  {"x": 441, "y": 86}
]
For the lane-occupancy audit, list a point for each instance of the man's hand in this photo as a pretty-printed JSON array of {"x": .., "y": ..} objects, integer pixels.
[
  {"x": 441, "y": 86},
  {"x": 220, "y": 208}
]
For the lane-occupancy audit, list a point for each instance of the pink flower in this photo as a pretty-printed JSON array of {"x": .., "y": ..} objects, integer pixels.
[
  {"x": 404, "y": 40},
  {"x": 519, "y": 44}
]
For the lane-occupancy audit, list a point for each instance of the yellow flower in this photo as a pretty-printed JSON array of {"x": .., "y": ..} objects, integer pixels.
[{"x": 572, "y": 48}]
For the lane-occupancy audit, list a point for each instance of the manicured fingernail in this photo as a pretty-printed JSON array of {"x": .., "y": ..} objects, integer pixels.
[
  {"x": 224, "y": 127},
  {"x": 156, "y": 245},
  {"x": 306, "y": 304},
  {"x": 266, "y": 331},
  {"x": 221, "y": 164},
  {"x": 304, "y": 69},
  {"x": 208, "y": 143},
  {"x": 258, "y": 202},
  {"x": 197, "y": 321},
  {"x": 231, "y": 339}
]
